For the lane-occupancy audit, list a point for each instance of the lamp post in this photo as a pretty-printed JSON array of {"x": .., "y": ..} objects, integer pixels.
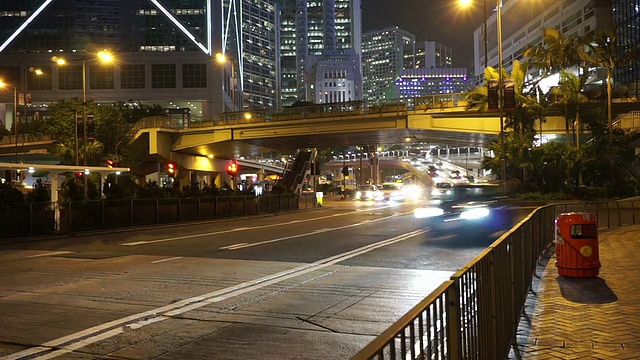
[
  {"x": 104, "y": 57},
  {"x": 15, "y": 114},
  {"x": 503, "y": 160},
  {"x": 221, "y": 58}
]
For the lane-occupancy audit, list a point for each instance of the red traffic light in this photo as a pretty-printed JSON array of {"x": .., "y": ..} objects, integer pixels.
[
  {"x": 232, "y": 168},
  {"x": 171, "y": 168},
  {"x": 109, "y": 163}
]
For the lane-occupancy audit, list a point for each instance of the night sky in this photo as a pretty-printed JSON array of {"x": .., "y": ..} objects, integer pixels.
[{"x": 433, "y": 20}]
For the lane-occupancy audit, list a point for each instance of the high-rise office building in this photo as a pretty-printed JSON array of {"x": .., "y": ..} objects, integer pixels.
[
  {"x": 523, "y": 22},
  {"x": 626, "y": 17},
  {"x": 383, "y": 58},
  {"x": 252, "y": 45},
  {"x": 431, "y": 54},
  {"x": 185, "y": 77},
  {"x": 314, "y": 28},
  {"x": 336, "y": 77}
]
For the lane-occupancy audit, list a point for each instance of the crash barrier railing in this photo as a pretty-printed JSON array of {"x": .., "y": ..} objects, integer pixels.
[
  {"x": 475, "y": 314},
  {"x": 39, "y": 218}
]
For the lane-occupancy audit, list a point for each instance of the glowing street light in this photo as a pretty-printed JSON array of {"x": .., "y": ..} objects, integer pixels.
[
  {"x": 15, "y": 116},
  {"x": 222, "y": 59},
  {"x": 503, "y": 165},
  {"x": 105, "y": 57}
]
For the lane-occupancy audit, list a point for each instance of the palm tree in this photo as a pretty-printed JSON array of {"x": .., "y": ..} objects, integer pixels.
[
  {"x": 557, "y": 53},
  {"x": 603, "y": 52},
  {"x": 569, "y": 96}
]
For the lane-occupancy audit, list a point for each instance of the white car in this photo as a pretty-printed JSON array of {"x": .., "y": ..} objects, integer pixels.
[
  {"x": 392, "y": 191},
  {"x": 368, "y": 192}
]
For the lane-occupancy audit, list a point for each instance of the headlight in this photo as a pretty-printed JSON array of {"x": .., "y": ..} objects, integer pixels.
[
  {"x": 369, "y": 194},
  {"x": 475, "y": 213},
  {"x": 358, "y": 195},
  {"x": 421, "y": 213}
]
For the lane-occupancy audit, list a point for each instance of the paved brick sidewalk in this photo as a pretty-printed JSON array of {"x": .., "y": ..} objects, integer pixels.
[{"x": 586, "y": 318}]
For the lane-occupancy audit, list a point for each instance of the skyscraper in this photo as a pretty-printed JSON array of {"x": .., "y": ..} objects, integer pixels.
[
  {"x": 383, "y": 58},
  {"x": 314, "y": 28},
  {"x": 188, "y": 33},
  {"x": 626, "y": 18}
]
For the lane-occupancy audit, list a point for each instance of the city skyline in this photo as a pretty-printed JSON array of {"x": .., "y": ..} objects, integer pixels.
[{"x": 430, "y": 20}]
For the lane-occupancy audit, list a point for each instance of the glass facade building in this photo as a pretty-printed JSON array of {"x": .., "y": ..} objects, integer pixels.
[
  {"x": 185, "y": 76},
  {"x": 383, "y": 58},
  {"x": 626, "y": 17},
  {"x": 313, "y": 28}
]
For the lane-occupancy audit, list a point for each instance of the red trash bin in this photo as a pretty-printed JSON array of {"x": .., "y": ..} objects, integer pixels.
[{"x": 576, "y": 241}]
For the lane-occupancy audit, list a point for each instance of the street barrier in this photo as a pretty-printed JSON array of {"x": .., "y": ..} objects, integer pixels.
[
  {"x": 29, "y": 219},
  {"x": 475, "y": 314}
]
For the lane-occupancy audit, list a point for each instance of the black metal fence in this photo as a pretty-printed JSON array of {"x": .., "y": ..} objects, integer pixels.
[
  {"x": 475, "y": 314},
  {"x": 40, "y": 218}
]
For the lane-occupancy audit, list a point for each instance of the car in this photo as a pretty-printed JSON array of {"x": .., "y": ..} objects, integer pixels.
[
  {"x": 368, "y": 192},
  {"x": 477, "y": 218},
  {"x": 392, "y": 191}
]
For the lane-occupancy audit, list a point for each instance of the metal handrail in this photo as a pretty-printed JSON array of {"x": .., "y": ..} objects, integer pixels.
[
  {"x": 425, "y": 104},
  {"x": 475, "y": 314}
]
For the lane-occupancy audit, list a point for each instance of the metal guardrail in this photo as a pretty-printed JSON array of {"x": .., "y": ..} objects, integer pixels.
[
  {"x": 26, "y": 138},
  {"x": 475, "y": 314},
  {"x": 629, "y": 121},
  {"x": 426, "y": 104},
  {"x": 39, "y": 218}
]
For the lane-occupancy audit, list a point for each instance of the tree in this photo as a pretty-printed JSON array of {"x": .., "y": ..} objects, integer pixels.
[
  {"x": 556, "y": 53},
  {"x": 569, "y": 96}
]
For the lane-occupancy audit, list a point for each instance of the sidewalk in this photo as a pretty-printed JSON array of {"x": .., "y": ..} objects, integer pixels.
[{"x": 586, "y": 318}]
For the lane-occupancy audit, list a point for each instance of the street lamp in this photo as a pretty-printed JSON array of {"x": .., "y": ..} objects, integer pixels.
[
  {"x": 104, "y": 57},
  {"x": 503, "y": 161},
  {"x": 222, "y": 59},
  {"x": 503, "y": 165},
  {"x": 467, "y": 3},
  {"x": 15, "y": 115}
]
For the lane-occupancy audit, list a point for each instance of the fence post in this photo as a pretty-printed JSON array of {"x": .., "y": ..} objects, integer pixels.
[
  {"x": 30, "y": 219},
  {"x": 633, "y": 211},
  {"x": 131, "y": 207},
  {"x": 493, "y": 345},
  {"x": 215, "y": 207},
  {"x": 199, "y": 217},
  {"x": 69, "y": 217},
  {"x": 157, "y": 211},
  {"x": 244, "y": 206},
  {"x": 102, "y": 214},
  {"x": 619, "y": 213},
  {"x": 454, "y": 330},
  {"x": 608, "y": 216}
]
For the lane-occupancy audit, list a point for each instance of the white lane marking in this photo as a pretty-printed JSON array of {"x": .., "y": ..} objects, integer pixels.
[
  {"x": 169, "y": 259},
  {"x": 28, "y": 352},
  {"x": 50, "y": 254},
  {"x": 72, "y": 342},
  {"x": 229, "y": 247},
  {"x": 233, "y": 230},
  {"x": 245, "y": 245}
]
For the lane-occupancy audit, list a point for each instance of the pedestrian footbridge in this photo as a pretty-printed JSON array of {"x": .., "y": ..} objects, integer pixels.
[{"x": 253, "y": 132}]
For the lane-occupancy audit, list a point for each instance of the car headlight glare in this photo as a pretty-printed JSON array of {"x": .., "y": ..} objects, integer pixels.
[
  {"x": 427, "y": 212},
  {"x": 475, "y": 213}
]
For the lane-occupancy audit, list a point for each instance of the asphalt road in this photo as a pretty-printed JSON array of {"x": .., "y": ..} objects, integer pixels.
[{"x": 305, "y": 285}]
